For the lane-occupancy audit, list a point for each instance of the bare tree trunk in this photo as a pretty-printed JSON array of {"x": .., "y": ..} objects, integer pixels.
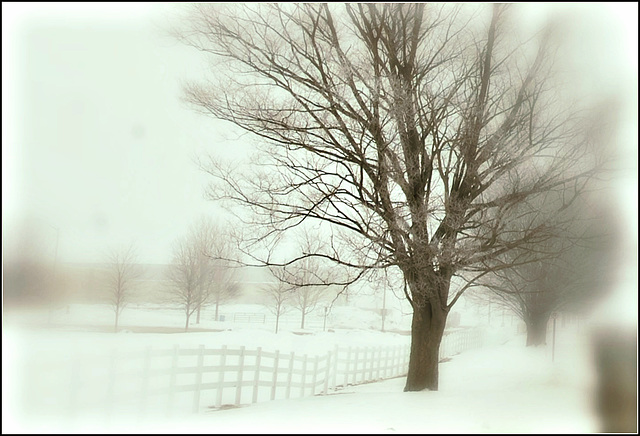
[
  {"x": 198, "y": 316},
  {"x": 115, "y": 328},
  {"x": 427, "y": 328},
  {"x": 536, "y": 329},
  {"x": 277, "y": 321},
  {"x": 186, "y": 324},
  {"x": 302, "y": 323},
  {"x": 217, "y": 307}
]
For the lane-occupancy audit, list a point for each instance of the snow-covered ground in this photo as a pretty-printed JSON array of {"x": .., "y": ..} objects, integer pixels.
[
  {"x": 501, "y": 387},
  {"x": 100, "y": 317}
]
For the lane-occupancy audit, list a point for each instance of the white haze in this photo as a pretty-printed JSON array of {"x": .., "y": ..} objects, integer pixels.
[
  {"x": 98, "y": 149},
  {"x": 98, "y": 152}
]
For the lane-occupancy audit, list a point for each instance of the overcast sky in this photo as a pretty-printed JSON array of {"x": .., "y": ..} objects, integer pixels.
[{"x": 98, "y": 148}]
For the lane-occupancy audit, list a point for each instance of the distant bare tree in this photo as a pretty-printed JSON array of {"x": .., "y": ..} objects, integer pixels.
[
  {"x": 198, "y": 277},
  {"x": 279, "y": 294},
  {"x": 184, "y": 280},
  {"x": 310, "y": 279},
  {"x": 218, "y": 278},
  {"x": 407, "y": 130},
  {"x": 306, "y": 299},
  {"x": 123, "y": 270},
  {"x": 225, "y": 287}
]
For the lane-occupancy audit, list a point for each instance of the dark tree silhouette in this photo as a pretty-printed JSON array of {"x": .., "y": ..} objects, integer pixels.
[{"x": 567, "y": 272}]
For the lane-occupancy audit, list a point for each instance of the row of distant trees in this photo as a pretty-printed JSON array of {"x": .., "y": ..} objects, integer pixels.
[
  {"x": 204, "y": 273},
  {"x": 200, "y": 274},
  {"x": 299, "y": 286},
  {"x": 534, "y": 281},
  {"x": 565, "y": 272},
  {"x": 195, "y": 279}
]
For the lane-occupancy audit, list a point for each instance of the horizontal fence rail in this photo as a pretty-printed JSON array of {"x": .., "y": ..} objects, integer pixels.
[
  {"x": 249, "y": 318},
  {"x": 195, "y": 379}
]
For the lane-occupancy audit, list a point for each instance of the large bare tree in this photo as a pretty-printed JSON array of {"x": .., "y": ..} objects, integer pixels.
[
  {"x": 123, "y": 270},
  {"x": 404, "y": 132}
]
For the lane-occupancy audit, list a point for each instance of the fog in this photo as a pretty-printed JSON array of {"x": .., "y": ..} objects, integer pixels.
[
  {"x": 100, "y": 152},
  {"x": 99, "y": 149}
]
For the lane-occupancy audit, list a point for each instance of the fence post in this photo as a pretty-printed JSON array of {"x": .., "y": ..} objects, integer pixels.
[
  {"x": 346, "y": 371},
  {"x": 256, "y": 376},
  {"x": 314, "y": 379},
  {"x": 239, "y": 378},
  {"x": 292, "y": 357},
  {"x": 452, "y": 344},
  {"x": 327, "y": 373},
  {"x": 364, "y": 365},
  {"x": 394, "y": 359},
  {"x": 405, "y": 365},
  {"x": 453, "y": 339},
  {"x": 196, "y": 393},
  {"x": 172, "y": 378},
  {"x": 223, "y": 359},
  {"x": 373, "y": 361},
  {"x": 355, "y": 366},
  {"x": 304, "y": 375},
  {"x": 385, "y": 373},
  {"x": 335, "y": 366},
  {"x": 275, "y": 374}
]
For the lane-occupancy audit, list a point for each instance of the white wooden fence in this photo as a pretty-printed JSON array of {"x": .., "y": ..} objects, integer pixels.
[
  {"x": 225, "y": 376},
  {"x": 457, "y": 341},
  {"x": 168, "y": 380}
]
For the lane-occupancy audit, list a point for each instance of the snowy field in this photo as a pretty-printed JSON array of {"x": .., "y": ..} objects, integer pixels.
[{"x": 500, "y": 387}]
